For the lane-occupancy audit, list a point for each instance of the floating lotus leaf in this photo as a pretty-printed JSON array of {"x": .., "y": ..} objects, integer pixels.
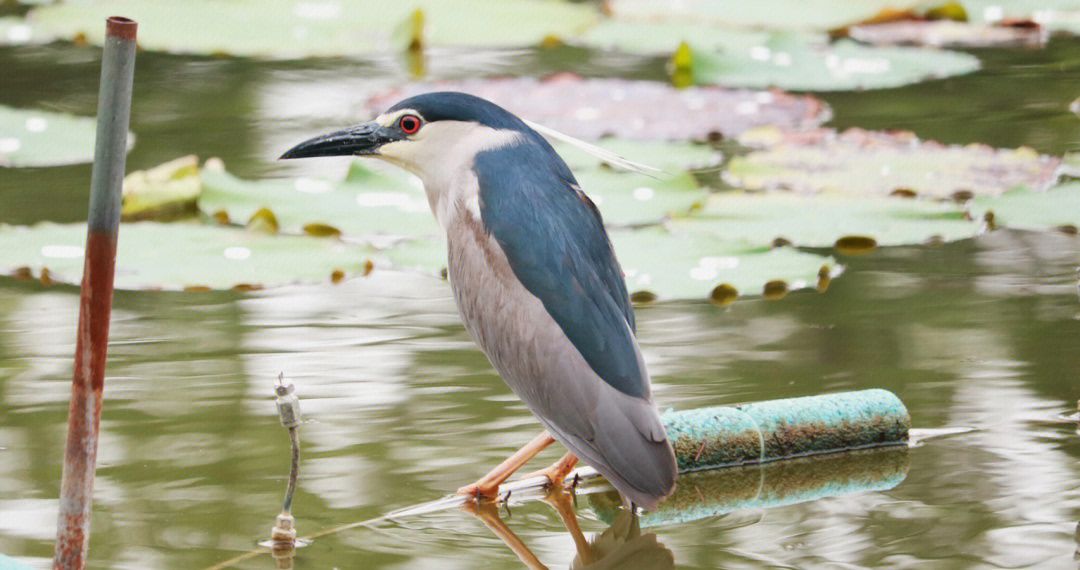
[
  {"x": 1024, "y": 208},
  {"x": 1052, "y": 15},
  {"x": 858, "y": 162},
  {"x": 680, "y": 265},
  {"x": 794, "y": 62},
  {"x": 643, "y": 110},
  {"x": 762, "y": 14},
  {"x": 292, "y": 29},
  {"x": 798, "y": 61},
  {"x": 30, "y": 138},
  {"x": 181, "y": 256},
  {"x": 424, "y": 254},
  {"x": 628, "y": 198},
  {"x": 851, "y": 224},
  {"x": 17, "y": 31},
  {"x": 366, "y": 202},
  {"x": 167, "y": 191},
  {"x": 947, "y": 33},
  {"x": 663, "y": 38}
]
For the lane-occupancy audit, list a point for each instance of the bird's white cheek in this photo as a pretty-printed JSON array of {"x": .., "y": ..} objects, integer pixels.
[{"x": 397, "y": 152}]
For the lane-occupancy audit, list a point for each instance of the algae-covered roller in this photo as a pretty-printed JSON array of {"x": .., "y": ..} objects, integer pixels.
[
  {"x": 724, "y": 436},
  {"x": 717, "y": 492}
]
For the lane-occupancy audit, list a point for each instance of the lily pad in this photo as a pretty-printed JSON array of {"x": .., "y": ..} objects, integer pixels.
[
  {"x": 632, "y": 199},
  {"x": 167, "y": 191},
  {"x": 17, "y": 31},
  {"x": 679, "y": 265},
  {"x": 32, "y": 138},
  {"x": 423, "y": 254},
  {"x": 366, "y": 202},
  {"x": 948, "y": 33},
  {"x": 181, "y": 256},
  {"x": 594, "y": 108},
  {"x": 762, "y": 14},
  {"x": 1024, "y": 208},
  {"x": 858, "y": 162},
  {"x": 851, "y": 224},
  {"x": 293, "y": 29},
  {"x": 799, "y": 61}
]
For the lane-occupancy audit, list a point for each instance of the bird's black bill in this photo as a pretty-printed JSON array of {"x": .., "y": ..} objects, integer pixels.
[{"x": 361, "y": 140}]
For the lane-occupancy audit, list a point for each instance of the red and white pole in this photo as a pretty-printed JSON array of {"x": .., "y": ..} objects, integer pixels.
[{"x": 84, "y": 415}]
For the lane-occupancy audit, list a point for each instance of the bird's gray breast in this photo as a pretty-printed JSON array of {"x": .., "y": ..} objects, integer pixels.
[{"x": 511, "y": 325}]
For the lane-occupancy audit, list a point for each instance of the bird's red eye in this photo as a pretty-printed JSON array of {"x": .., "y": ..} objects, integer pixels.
[{"x": 409, "y": 124}]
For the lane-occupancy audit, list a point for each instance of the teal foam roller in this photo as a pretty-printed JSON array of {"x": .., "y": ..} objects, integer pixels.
[
  {"x": 7, "y": 563},
  {"x": 725, "y": 436}
]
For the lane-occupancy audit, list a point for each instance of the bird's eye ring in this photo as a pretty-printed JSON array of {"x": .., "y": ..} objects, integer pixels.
[{"x": 409, "y": 124}]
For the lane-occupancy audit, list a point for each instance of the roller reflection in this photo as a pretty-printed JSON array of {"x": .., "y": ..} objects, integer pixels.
[{"x": 716, "y": 492}]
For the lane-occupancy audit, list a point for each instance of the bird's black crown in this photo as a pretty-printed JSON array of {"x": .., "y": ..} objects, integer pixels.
[{"x": 455, "y": 106}]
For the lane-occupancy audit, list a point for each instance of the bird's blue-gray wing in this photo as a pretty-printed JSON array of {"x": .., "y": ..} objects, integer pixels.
[{"x": 555, "y": 242}]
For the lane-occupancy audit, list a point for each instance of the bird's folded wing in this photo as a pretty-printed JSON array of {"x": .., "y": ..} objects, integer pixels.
[{"x": 555, "y": 242}]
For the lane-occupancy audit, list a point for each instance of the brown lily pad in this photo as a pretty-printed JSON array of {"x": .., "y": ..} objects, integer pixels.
[
  {"x": 642, "y": 110},
  {"x": 947, "y": 33},
  {"x": 859, "y": 162}
]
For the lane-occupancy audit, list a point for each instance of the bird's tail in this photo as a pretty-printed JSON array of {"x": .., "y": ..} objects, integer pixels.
[{"x": 629, "y": 448}]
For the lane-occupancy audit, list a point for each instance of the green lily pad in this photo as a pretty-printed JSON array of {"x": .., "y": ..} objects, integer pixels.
[
  {"x": 663, "y": 37},
  {"x": 858, "y": 162},
  {"x": 1024, "y": 208},
  {"x": 367, "y": 202},
  {"x": 851, "y": 224},
  {"x": 32, "y": 138},
  {"x": 799, "y": 61},
  {"x": 682, "y": 265},
  {"x": 181, "y": 256},
  {"x": 165, "y": 192},
  {"x": 17, "y": 31},
  {"x": 625, "y": 198},
  {"x": 642, "y": 110},
  {"x": 423, "y": 254},
  {"x": 792, "y": 62},
  {"x": 762, "y": 14},
  {"x": 293, "y": 29}
]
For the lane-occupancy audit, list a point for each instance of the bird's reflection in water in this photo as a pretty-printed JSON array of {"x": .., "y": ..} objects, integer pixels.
[
  {"x": 622, "y": 545},
  {"x": 706, "y": 494}
]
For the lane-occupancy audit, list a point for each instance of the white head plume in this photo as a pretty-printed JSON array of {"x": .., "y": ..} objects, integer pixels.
[{"x": 604, "y": 155}]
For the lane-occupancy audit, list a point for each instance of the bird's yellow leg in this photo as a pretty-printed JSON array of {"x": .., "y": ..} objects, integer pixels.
[
  {"x": 557, "y": 471},
  {"x": 488, "y": 514},
  {"x": 559, "y": 499},
  {"x": 488, "y": 485}
]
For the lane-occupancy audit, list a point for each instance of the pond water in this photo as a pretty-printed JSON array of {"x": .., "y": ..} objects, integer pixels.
[{"x": 404, "y": 408}]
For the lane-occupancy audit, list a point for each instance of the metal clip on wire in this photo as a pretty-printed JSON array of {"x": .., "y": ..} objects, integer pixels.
[{"x": 283, "y": 535}]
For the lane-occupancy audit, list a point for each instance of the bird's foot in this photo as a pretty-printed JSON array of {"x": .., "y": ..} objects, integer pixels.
[
  {"x": 481, "y": 489},
  {"x": 557, "y": 472}
]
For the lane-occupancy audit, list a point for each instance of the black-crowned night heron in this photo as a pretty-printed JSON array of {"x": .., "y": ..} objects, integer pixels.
[{"x": 536, "y": 281}]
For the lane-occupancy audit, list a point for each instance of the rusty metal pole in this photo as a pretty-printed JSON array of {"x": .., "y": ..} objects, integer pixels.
[{"x": 84, "y": 415}]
